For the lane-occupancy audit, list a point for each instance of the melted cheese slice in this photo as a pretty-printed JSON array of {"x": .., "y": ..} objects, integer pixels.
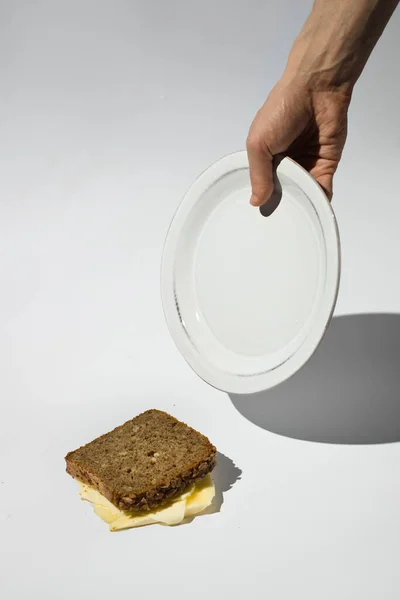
[{"x": 196, "y": 499}]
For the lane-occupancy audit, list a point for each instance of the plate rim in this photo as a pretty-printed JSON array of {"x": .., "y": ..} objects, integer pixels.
[{"x": 250, "y": 384}]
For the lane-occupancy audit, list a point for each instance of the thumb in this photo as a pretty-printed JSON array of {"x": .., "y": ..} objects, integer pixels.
[{"x": 261, "y": 171}]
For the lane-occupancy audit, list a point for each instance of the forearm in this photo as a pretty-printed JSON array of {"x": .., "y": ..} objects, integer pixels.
[{"x": 336, "y": 41}]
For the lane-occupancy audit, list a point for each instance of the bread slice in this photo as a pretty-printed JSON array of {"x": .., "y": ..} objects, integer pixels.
[{"x": 144, "y": 463}]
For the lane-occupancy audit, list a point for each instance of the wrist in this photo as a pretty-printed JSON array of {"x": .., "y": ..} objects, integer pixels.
[
  {"x": 321, "y": 66},
  {"x": 336, "y": 41}
]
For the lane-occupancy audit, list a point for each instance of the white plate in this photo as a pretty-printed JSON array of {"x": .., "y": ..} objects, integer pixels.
[{"x": 248, "y": 298}]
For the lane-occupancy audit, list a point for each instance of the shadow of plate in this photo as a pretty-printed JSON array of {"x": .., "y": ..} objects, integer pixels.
[{"x": 348, "y": 393}]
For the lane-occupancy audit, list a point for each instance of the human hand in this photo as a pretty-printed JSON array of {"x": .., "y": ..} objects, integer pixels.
[{"x": 308, "y": 126}]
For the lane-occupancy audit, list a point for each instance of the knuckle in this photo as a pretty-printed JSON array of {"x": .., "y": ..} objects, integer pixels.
[
  {"x": 257, "y": 142},
  {"x": 254, "y": 142}
]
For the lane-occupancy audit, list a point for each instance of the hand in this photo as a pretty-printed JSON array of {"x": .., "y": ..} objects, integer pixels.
[{"x": 310, "y": 127}]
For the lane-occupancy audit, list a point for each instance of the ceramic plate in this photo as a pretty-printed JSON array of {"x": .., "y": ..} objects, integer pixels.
[{"x": 248, "y": 297}]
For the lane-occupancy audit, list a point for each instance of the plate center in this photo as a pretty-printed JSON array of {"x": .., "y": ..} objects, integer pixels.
[{"x": 256, "y": 278}]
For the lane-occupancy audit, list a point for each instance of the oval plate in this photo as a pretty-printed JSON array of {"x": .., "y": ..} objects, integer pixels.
[{"x": 247, "y": 298}]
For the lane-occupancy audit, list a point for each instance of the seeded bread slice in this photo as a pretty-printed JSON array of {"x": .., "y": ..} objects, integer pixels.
[{"x": 145, "y": 462}]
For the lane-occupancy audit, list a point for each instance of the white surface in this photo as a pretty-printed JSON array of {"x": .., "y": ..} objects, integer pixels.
[
  {"x": 108, "y": 111},
  {"x": 220, "y": 255}
]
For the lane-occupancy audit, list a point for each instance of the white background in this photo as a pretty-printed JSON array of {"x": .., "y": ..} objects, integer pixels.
[{"x": 108, "y": 111}]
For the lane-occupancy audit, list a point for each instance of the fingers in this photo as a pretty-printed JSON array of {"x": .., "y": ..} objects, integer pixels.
[
  {"x": 310, "y": 129},
  {"x": 261, "y": 171},
  {"x": 326, "y": 182}
]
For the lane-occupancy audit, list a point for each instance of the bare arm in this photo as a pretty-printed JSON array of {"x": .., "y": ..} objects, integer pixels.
[
  {"x": 337, "y": 39},
  {"x": 305, "y": 115}
]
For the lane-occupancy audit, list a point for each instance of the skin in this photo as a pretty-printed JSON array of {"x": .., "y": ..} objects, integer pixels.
[{"x": 305, "y": 115}]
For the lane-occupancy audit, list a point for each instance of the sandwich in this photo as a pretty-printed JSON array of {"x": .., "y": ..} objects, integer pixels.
[{"x": 151, "y": 469}]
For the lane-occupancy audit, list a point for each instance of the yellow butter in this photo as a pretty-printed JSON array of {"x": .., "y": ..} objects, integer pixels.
[
  {"x": 201, "y": 498},
  {"x": 172, "y": 515},
  {"x": 192, "y": 502},
  {"x": 105, "y": 513}
]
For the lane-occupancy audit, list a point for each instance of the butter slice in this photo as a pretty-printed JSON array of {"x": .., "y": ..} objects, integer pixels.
[
  {"x": 201, "y": 498},
  {"x": 192, "y": 502}
]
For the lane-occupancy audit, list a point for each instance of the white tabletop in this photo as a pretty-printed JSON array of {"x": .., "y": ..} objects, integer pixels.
[{"x": 108, "y": 111}]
